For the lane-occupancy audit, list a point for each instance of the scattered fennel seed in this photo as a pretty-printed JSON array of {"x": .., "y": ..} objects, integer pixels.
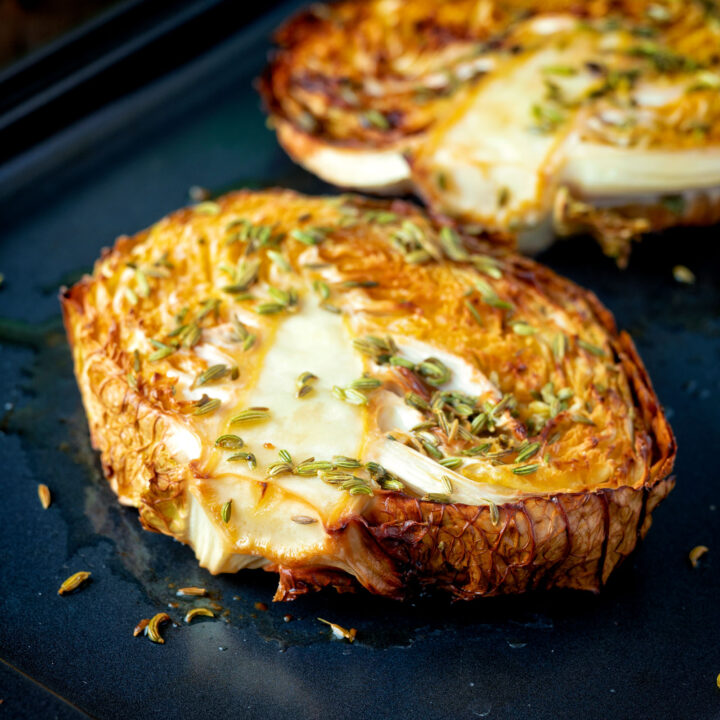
[
  {"x": 43, "y": 492},
  {"x": 559, "y": 346},
  {"x": 322, "y": 289},
  {"x": 360, "y": 490},
  {"x": 304, "y": 384},
  {"x": 592, "y": 349},
  {"x": 340, "y": 632},
  {"x": 414, "y": 400},
  {"x": 452, "y": 245},
  {"x": 191, "y": 337},
  {"x": 399, "y": 361},
  {"x": 392, "y": 484},
  {"x": 342, "y": 461},
  {"x": 226, "y": 511},
  {"x": 380, "y": 349},
  {"x": 382, "y": 217},
  {"x": 527, "y": 452},
  {"x": 565, "y": 70},
  {"x": 207, "y": 208},
  {"x": 547, "y": 117},
  {"x": 474, "y": 312},
  {"x": 303, "y": 391},
  {"x": 451, "y": 462},
  {"x": 284, "y": 297},
  {"x": 503, "y": 197},
  {"x": 494, "y": 513},
  {"x": 488, "y": 294},
  {"x": 153, "y": 627},
  {"x": 313, "y": 467},
  {"x": 696, "y": 553},
  {"x": 365, "y": 383},
  {"x": 526, "y": 469},
  {"x": 247, "y": 456},
  {"x": 206, "y": 405},
  {"x": 335, "y": 477},
  {"x": 329, "y": 307},
  {"x": 191, "y": 592},
  {"x": 212, "y": 374},
  {"x": 523, "y": 328},
  {"x": 269, "y": 308},
  {"x": 417, "y": 257},
  {"x": 229, "y": 442},
  {"x": 280, "y": 260},
  {"x": 683, "y": 275},
  {"x": 198, "y": 612},
  {"x": 244, "y": 277},
  {"x": 434, "y": 372},
  {"x": 437, "y": 498},
  {"x": 278, "y": 468},
  {"x": 349, "y": 395},
  {"x": 431, "y": 449},
  {"x": 209, "y": 306},
  {"x": 161, "y": 352},
  {"x": 74, "y": 582},
  {"x": 252, "y": 414},
  {"x": 303, "y": 519},
  {"x": 488, "y": 265},
  {"x": 374, "y": 118},
  {"x": 143, "y": 287},
  {"x": 310, "y": 236}
]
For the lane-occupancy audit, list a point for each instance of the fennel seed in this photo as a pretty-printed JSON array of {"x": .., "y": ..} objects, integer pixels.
[
  {"x": 229, "y": 442},
  {"x": 74, "y": 582},
  {"x": 191, "y": 592},
  {"x": 226, "y": 511},
  {"x": 253, "y": 414},
  {"x": 198, "y": 612},
  {"x": 247, "y": 456},
  {"x": 43, "y": 492},
  {"x": 153, "y": 627},
  {"x": 206, "y": 405}
]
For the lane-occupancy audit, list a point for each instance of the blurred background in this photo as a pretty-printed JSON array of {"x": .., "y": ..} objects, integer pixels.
[
  {"x": 27, "y": 25},
  {"x": 63, "y": 59}
]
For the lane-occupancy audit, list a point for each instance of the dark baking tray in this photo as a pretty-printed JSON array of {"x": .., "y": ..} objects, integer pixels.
[{"x": 648, "y": 646}]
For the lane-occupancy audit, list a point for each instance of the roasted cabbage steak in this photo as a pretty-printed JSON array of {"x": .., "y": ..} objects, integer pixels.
[
  {"x": 346, "y": 393},
  {"x": 523, "y": 116}
]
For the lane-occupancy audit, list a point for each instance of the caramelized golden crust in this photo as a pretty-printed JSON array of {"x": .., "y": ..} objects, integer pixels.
[
  {"x": 544, "y": 424},
  {"x": 372, "y": 94},
  {"x": 373, "y": 73},
  {"x": 334, "y": 63}
]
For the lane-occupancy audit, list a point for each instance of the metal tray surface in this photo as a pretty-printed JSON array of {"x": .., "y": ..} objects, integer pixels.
[{"x": 648, "y": 646}]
